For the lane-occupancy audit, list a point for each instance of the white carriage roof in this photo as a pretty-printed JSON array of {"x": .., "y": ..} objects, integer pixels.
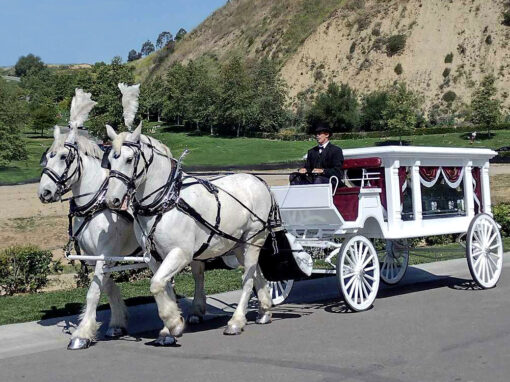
[{"x": 420, "y": 152}]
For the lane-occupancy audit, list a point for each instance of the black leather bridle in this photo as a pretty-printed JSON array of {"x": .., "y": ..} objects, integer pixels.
[
  {"x": 61, "y": 180},
  {"x": 130, "y": 181}
]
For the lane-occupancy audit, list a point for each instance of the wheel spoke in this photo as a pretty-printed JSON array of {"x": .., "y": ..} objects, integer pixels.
[
  {"x": 369, "y": 277},
  {"x": 365, "y": 282},
  {"x": 477, "y": 261},
  {"x": 360, "y": 285},
  {"x": 489, "y": 242},
  {"x": 367, "y": 261},
  {"x": 363, "y": 256},
  {"x": 493, "y": 267},
  {"x": 349, "y": 283},
  {"x": 369, "y": 268},
  {"x": 349, "y": 274},
  {"x": 355, "y": 290}
]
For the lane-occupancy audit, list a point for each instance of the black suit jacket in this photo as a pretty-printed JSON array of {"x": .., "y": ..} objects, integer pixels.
[{"x": 331, "y": 160}]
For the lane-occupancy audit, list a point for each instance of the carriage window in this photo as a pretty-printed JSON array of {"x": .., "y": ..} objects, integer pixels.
[{"x": 442, "y": 191}]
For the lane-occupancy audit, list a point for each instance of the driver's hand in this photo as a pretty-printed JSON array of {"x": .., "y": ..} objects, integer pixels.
[
  {"x": 302, "y": 170},
  {"x": 317, "y": 171}
]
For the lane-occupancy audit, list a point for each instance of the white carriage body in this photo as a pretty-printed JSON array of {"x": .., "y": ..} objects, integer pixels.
[{"x": 309, "y": 211}]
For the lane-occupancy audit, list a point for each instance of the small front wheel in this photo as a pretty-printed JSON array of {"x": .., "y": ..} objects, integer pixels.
[
  {"x": 394, "y": 261},
  {"x": 279, "y": 290},
  {"x": 484, "y": 251},
  {"x": 358, "y": 273}
]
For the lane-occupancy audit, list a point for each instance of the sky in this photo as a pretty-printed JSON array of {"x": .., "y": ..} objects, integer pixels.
[{"x": 89, "y": 31}]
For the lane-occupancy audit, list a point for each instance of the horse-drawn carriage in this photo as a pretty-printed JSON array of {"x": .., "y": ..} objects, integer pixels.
[{"x": 392, "y": 193}]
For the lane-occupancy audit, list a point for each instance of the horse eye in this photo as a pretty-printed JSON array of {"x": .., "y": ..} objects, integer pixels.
[
  {"x": 52, "y": 154},
  {"x": 129, "y": 160},
  {"x": 116, "y": 156},
  {"x": 63, "y": 157}
]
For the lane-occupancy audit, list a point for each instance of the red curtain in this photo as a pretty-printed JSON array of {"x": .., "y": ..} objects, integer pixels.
[{"x": 428, "y": 173}]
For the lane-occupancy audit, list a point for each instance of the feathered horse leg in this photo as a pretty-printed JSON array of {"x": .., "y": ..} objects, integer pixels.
[
  {"x": 86, "y": 331},
  {"x": 118, "y": 320},
  {"x": 198, "y": 306}
]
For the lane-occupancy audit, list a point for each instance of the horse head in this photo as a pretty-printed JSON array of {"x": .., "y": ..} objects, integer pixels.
[{"x": 127, "y": 166}]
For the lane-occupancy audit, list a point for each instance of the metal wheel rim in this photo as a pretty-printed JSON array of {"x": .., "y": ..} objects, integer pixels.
[
  {"x": 279, "y": 290},
  {"x": 484, "y": 251},
  {"x": 394, "y": 261},
  {"x": 358, "y": 273}
]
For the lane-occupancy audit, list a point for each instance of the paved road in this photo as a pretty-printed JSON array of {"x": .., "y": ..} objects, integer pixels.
[{"x": 434, "y": 327}]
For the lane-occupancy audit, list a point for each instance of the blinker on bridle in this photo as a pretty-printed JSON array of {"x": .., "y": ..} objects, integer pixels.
[
  {"x": 130, "y": 181},
  {"x": 60, "y": 180}
]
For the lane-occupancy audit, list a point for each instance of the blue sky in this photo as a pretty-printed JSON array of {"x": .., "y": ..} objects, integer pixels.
[{"x": 88, "y": 31}]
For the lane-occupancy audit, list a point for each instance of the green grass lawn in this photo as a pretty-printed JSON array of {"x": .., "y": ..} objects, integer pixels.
[
  {"x": 213, "y": 151},
  {"x": 31, "y": 307}
]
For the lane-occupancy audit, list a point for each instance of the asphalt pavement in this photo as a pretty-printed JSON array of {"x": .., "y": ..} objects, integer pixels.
[{"x": 436, "y": 325}]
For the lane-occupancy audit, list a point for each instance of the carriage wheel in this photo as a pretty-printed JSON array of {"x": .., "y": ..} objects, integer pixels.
[
  {"x": 279, "y": 290},
  {"x": 394, "y": 261},
  {"x": 484, "y": 251},
  {"x": 357, "y": 269}
]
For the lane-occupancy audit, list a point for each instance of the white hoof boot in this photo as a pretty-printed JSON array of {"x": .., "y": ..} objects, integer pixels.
[
  {"x": 178, "y": 329},
  {"x": 264, "y": 319},
  {"x": 78, "y": 343},
  {"x": 194, "y": 319},
  {"x": 115, "y": 332},
  {"x": 232, "y": 330},
  {"x": 165, "y": 341}
]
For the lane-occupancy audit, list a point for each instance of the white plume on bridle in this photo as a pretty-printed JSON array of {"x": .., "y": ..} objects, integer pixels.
[
  {"x": 81, "y": 106},
  {"x": 129, "y": 103}
]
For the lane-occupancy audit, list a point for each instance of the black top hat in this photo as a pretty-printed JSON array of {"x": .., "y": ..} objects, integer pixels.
[{"x": 323, "y": 128}]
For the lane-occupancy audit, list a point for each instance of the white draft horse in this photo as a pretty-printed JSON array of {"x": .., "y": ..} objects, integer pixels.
[
  {"x": 234, "y": 214},
  {"x": 73, "y": 163}
]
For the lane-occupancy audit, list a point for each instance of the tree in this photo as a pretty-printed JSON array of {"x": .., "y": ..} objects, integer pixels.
[
  {"x": 107, "y": 95},
  {"x": 28, "y": 63},
  {"x": 163, "y": 39},
  {"x": 485, "y": 107},
  {"x": 236, "y": 95},
  {"x": 133, "y": 55},
  {"x": 152, "y": 98},
  {"x": 269, "y": 97},
  {"x": 402, "y": 109},
  {"x": 180, "y": 34},
  {"x": 338, "y": 107},
  {"x": 174, "y": 107},
  {"x": 13, "y": 115},
  {"x": 44, "y": 115},
  {"x": 147, "y": 48},
  {"x": 372, "y": 107}
]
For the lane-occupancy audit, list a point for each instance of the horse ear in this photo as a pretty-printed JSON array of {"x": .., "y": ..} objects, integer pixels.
[
  {"x": 111, "y": 133},
  {"x": 56, "y": 133},
  {"x": 135, "y": 135},
  {"x": 71, "y": 138}
]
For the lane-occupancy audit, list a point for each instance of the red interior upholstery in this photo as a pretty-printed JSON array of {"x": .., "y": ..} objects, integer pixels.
[
  {"x": 346, "y": 199},
  {"x": 362, "y": 163}
]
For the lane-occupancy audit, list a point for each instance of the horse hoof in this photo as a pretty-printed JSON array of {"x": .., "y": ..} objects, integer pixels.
[
  {"x": 263, "y": 319},
  {"x": 78, "y": 343},
  {"x": 115, "y": 332},
  {"x": 165, "y": 341},
  {"x": 194, "y": 319},
  {"x": 177, "y": 331},
  {"x": 232, "y": 330}
]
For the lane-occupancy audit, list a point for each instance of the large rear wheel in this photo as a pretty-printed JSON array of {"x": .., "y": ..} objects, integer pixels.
[
  {"x": 484, "y": 251},
  {"x": 357, "y": 270}
]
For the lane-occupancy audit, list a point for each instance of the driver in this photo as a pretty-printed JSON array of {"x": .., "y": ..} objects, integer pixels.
[{"x": 322, "y": 161}]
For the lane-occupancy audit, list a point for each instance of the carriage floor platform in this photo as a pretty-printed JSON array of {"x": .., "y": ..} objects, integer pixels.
[{"x": 40, "y": 336}]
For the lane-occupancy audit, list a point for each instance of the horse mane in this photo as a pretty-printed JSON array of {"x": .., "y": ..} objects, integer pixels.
[
  {"x": 121, "y": 138},
  {"x": 85, "y": 145}
]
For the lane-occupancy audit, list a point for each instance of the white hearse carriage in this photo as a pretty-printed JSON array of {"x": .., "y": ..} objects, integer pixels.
[{"x": 392, "y": 193}]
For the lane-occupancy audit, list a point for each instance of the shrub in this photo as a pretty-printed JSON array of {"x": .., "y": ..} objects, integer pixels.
[
  {"x": 506, "y": 18},
  {"x": 24, "y": 269},
  {"x": 398, "y": 69},
  {"x": 449, "y": 96},
  {"x": 488, "y": 40},
  {"x": 448, "y": 58},
  {"x": 502, "y": 216},
  {"x": 439, "y": 239},
  {"x": 446, "y": 72},
  {"x": 395, "y": 44}
]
